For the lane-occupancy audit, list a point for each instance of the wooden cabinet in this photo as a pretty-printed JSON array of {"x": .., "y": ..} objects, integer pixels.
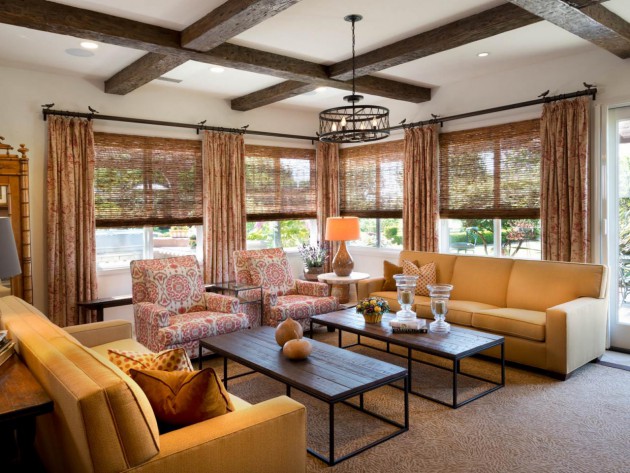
[{"x": 14, "y": 203}]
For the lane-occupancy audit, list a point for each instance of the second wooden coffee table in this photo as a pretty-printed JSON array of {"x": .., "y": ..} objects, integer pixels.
[
  {"x": 330, "y": 374},
  {"x": 456, "y": 345}
]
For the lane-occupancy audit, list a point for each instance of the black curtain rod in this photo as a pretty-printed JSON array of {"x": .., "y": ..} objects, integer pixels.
[
  {"x": 589, "y": 91},
  {"x": 198, "y": 127},
  {"x": 93, "y": 116}
]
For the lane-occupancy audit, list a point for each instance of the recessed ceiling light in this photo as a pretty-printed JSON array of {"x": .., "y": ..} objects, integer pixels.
[
  {"x": 484, "y": 54},
  {"x": 78, "y": 52},
  {"x": 321, "y": 89},
  {"x": 89, "y": 45},
  {"x": 217, "y": 69}
]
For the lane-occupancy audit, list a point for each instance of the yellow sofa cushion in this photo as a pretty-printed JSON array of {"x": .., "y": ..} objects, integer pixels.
[
  {"x": 539, "y": 285},
  {"x": 521, "y": 323},
  {"x": 181, "y": 398},
  {"x": 175, "y": 359},
  {"x": 481, "y": 279},
  {"x": 459, "y": 312},
  {"x": 389, "y": 270}
]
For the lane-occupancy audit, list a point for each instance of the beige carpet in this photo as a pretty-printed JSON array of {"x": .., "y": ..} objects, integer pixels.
[{"x": 534, "y": 424}]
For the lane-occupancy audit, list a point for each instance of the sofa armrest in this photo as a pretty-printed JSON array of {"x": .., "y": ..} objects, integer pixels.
[
  {"x": 311, "y": 288},
  {"x": 238, "y": 442},
  {"x": 576, "y": 333},
  {"x": 99, "y": 333},
  {"x": 368, "y": 286},
  {"x": 221, "y": 303}
]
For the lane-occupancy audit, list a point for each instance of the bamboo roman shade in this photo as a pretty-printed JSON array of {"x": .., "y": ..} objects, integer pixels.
[
  {"x": 279, "y": 183},
  {"x": 141, "y": 180},
  {"x": 371, "y": 180},
  {"x": 491, "y": 172}
]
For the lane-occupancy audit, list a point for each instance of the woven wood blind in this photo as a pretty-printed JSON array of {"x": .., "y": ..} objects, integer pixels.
[
  {"x": 491, "y": 172},
  {"x": 279, "y": 183},
  {"x": 371, "y": 180},
  {"x": 143, "y": 180}
]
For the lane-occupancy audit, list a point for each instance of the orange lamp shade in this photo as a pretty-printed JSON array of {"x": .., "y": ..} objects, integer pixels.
[{"x": 342, "y": 228}]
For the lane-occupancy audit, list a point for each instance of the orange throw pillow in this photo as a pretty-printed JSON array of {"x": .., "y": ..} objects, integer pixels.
[
  {"x": 180, "y": 398},
  {"x": 175, "y": 359},
  {"x": 426, "y": 275},
  {"x": 389, "y": 270}
]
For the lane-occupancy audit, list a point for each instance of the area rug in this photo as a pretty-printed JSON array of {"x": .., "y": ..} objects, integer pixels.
[{"x": 534, "y": 424}]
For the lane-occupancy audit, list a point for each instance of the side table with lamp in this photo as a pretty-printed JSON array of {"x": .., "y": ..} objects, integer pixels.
[{"x": 342, "y": 229}]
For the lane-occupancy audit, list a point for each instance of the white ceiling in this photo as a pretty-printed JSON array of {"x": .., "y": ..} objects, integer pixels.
[{"x": 313, "y": 30}]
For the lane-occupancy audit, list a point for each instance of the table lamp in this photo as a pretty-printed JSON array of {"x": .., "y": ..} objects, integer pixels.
[
  {"x": 342, "y": 229},
  {"x": 9, "y": 261}
]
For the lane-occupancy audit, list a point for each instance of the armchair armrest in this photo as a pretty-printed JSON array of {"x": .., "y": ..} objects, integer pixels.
[
  {"x": 99, "y": 333},
  {"x": 270, "y": 299},
  {"x": 221, "y": 303},
  {"x": 368, "y": 286},
  {"x": 312, "y": 288},
  {"x": 151, "y": 314},
  {"x": 576, "y": 333},
  {"x": 238, "y": 441}
]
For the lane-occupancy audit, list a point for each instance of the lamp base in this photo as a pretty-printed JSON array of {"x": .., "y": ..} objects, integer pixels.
[{"x": 342, "y": 263}]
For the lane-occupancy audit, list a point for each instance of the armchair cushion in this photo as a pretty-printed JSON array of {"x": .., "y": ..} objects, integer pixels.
[
  {"x": 167, "y": 360},
  {"x": 180, "y": 398},
  {"x": 311, "y": 288},
  {"x": 172, "y": 283}
]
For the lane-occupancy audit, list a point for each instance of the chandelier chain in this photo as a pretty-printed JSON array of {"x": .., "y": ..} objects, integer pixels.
[{"x": 353, "y": 59}]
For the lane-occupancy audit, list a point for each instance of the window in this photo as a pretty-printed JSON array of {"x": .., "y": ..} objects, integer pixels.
[
  {"x": 148, "y": 201},
  {"x": 280, "y": 196},
  {"x": 490, "y": 190},
  {"x": 371, "y": 187}
]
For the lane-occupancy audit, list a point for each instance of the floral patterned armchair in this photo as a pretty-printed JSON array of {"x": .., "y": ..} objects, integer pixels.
[
  {"x": 283, "y": 296},
  {"x": 171, "y": 308}
]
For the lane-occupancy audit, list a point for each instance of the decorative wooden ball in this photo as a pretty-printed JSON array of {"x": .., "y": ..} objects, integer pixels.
[
  {"x": 287, "y": 330},
  {"x": 297, "y": 349}
]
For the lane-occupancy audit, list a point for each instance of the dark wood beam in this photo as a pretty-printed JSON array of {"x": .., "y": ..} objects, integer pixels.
[
  {"x": 366, "y": 85},
  {"x": 269, "y": 95},
  {"x": 141, "y": 72},
  {"x": 473, "y": 28},
  {"x": 593, "y": 23},
  {"x": 228, "y": 20}
]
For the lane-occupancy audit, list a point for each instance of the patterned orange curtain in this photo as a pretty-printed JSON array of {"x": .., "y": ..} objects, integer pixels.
[
  {"x": 71, "y": 222},
  {"x": 327, "y": 165},
  {"x": 564, "y": 211},
  {"x": 420, "y": 189},
  {"x": 224, "y": 215}
]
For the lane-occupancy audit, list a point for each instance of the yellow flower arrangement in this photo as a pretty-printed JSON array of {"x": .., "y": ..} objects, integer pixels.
[{"x": 373, "y": 309}]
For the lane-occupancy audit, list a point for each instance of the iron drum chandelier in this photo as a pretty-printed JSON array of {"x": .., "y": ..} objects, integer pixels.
[{"x": 353, "y": 123}]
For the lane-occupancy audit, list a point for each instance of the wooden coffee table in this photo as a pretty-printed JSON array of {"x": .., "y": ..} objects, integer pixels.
[
  {"x": 456, "y": 345},
  {"x": 329, "y": 374}
]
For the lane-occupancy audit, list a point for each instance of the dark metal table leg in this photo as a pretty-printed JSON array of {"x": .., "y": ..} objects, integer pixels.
[
  {"x": 503, "y": 364},
  {"x": 225, "y": 372},
  {"x": 455, "y": 371},
  {"x": 407, "y": 383},
  {"x": 340, "y": 338},
  {"x": 288, "y": 391},
  {"x": 311, "y": 326},
  {"x": 200, "y": 360},
  {"x": 331, "y": 434}
]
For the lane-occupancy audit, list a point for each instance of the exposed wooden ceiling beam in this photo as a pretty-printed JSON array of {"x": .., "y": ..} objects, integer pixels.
[
  {"x": 228, "y": 20},
  {"x": 224, "y": 22},
  {"x": 473, "y": 28},
  {"x": 593, "y": 23},
  {"x": 367, "y": 85},
  {"x": 63, "y": 19}
]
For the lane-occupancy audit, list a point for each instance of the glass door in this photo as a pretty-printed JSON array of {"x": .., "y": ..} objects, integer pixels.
[{"x": 619, "y": 227}]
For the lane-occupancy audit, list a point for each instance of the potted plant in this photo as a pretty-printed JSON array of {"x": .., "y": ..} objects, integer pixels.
[{"x": 314, "y": 257}]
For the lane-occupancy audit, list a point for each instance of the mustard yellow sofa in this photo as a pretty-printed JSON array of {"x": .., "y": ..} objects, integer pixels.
[
  {"x": 553, "y": 315},
  {"x": 103, "y": 422}
]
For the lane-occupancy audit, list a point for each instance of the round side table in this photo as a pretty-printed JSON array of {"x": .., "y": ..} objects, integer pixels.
[{"x": 340, "y": 285}]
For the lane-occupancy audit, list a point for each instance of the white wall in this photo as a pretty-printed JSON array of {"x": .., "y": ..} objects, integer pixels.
[{"x": 22, "y": 92}]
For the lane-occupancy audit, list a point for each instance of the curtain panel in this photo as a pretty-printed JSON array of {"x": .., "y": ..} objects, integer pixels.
[
  {"x": 564, "y": 212},
  {"x": 224, "y": 214},
  {"x": 327, "y": 168},
  {"x": 420, "y": 189},
  {"x": 71, "y": 221}
]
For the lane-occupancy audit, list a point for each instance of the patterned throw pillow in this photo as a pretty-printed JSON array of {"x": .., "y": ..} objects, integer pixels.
[
  {"x": 426, "y": 275},
  {"x": 389, "y": 270},
  {"x": 175, "y": 359},
  {"x": 180, "y": 398}
]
